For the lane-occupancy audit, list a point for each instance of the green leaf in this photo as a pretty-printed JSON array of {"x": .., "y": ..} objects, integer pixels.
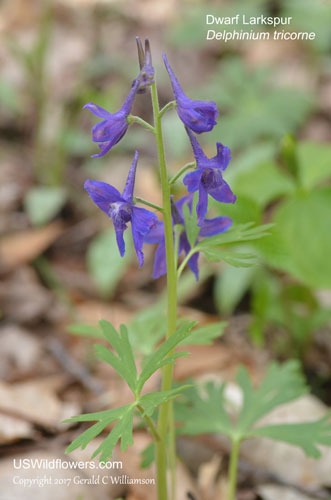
[
  {"x": 10, "y": 97},
  {"x": 43, "y": 203},
  {"x": 236, "y": 234},
  {"x": 263, "y": 184},
  {"x": 146, "y": 329},
  {"x": 306, "y": 14},
  {"x": 104, "y": 262},
  {"x": 204, "y": 412},
  {"x": 306, "y": 435},
  {"x": 154, "y": 399},
  {"x": 282, "y": 383},
  {"x": 122, "y": 431},
  {"x": 191, "y": 221},
  {"x": 104, "y": 418},
  {"x": 304, "y": 232},
  {"x": 236, "y": 259},
  {"x": 148, "y": 456},
  {"x": 230, "y": 286},
  {"x": 244, "y": 210},
  {"x": 314, "y": 163},
  {"x": 124, "y": 363},
  {"x": 85, "y": 330},
  {"x": 205, "y": 335},
  {"x": 161, "y": 357},
  {"x": 248, "y": 98}
]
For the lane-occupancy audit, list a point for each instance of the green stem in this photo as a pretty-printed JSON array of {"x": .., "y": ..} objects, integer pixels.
[
  {"x": 150, "y": 424},
  {"x": 181, "y": 171},
  {"x": 233, "y": 469},
  {"x": 137, "y": 119},
  {"x": 178, "y": 231},
  {"x": 185, "y": 261},
  {"x": 170, "y": 105},
  {"x": 137, "y": 199},
  {"x": 164, "y": 422}
]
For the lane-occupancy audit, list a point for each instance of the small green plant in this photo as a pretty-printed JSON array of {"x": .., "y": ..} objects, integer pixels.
[{"x": 206, "y": 412}]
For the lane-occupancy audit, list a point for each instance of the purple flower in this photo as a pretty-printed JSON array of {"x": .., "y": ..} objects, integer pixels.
[
  {"x": 207, "y": 178},
  {"x": 210, "y": 227},
  {"x": 121, "y": 209},
  {"x": 112, "y": 128},
  {"x": 199, "y": 116},
  {"x": 146, "y": 75}
]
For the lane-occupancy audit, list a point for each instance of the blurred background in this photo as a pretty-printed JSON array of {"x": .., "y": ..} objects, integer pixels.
[{"x": 59, "y": 265}]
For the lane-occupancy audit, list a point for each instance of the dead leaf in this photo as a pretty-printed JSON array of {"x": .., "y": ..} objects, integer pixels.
[
  {"x": 92, "y": 312},
  {"x": 12, "y": 429},
  {"x": 275, "y": 492},
  {"x": 24, "y": 358},
  {"x": 23, "y": 298},
  {"x": 54, "y": 488},
  {"x": 35, "y": 401},
  {"x": 22, "y": 247}
]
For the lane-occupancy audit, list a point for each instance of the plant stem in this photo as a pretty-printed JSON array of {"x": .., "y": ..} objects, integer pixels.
[
  {"x": 148, "y": 203},
  {"x": 170, "y": 105},
  {"x": 150, "y": 424},
  {"x": 181, "y": 171},
  {"x": 165, "y": 412},
  {"x": 143, "y": 123},
  {"x": 233, "y": 469},
  {"x": 185, "y": 261}
]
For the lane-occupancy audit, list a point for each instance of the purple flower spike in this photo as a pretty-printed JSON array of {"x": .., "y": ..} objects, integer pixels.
[
  {"x": 113, "y": 126},
  {"x": 199, "y": 116},
  {"x": 121, "y": 210},
  {"x": 146, "y": 75},
  {"x": 210, "y": 227},
  {"x": 207, "y": 178}
]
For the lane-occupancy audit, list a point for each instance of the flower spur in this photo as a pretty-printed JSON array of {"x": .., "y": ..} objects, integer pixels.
[{"x": 199, "y": 116}]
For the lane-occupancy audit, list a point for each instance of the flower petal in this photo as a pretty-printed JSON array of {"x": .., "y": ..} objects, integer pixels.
[
  {"x": 138, "y": 241},
  {"x": 223, "y": 193},
  {"x": 129, "y": 186},
  {"x": 110, "y": 130},
  {"x": 156, "y": 234},
  {"x": 202, "y": 205},
  {"x": 193, "y": 261},
  {"x": 218, "y": 225},
  {"x": 192, "y": 180},
  {"x": 120, "y": 240},
  {"x": 97, "y": 111},
  {"x": 199, "y": 116},
  {"x": 160, "y": 263},
  {"x": 143, "y": 220},
  {"x": 193, "y": 265},
  {"x": 105, "y": 147},
  {"x": 222, "y": 158},
  {"x": 102, "y": 194}
]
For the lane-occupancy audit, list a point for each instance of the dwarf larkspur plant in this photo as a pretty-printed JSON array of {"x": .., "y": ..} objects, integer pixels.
[{"x": 182, "y": 228}]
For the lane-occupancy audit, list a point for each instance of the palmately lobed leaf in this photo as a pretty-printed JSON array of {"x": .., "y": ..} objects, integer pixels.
[
  {"x": 236, "y": 234},
  {"x": 163, "y": 354},
  {"x": 306, "y": 435},
  {"x": 281, "y": 384},
  {"x": 103, "y": 418},
  {"x": 204, "y": 413}
]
